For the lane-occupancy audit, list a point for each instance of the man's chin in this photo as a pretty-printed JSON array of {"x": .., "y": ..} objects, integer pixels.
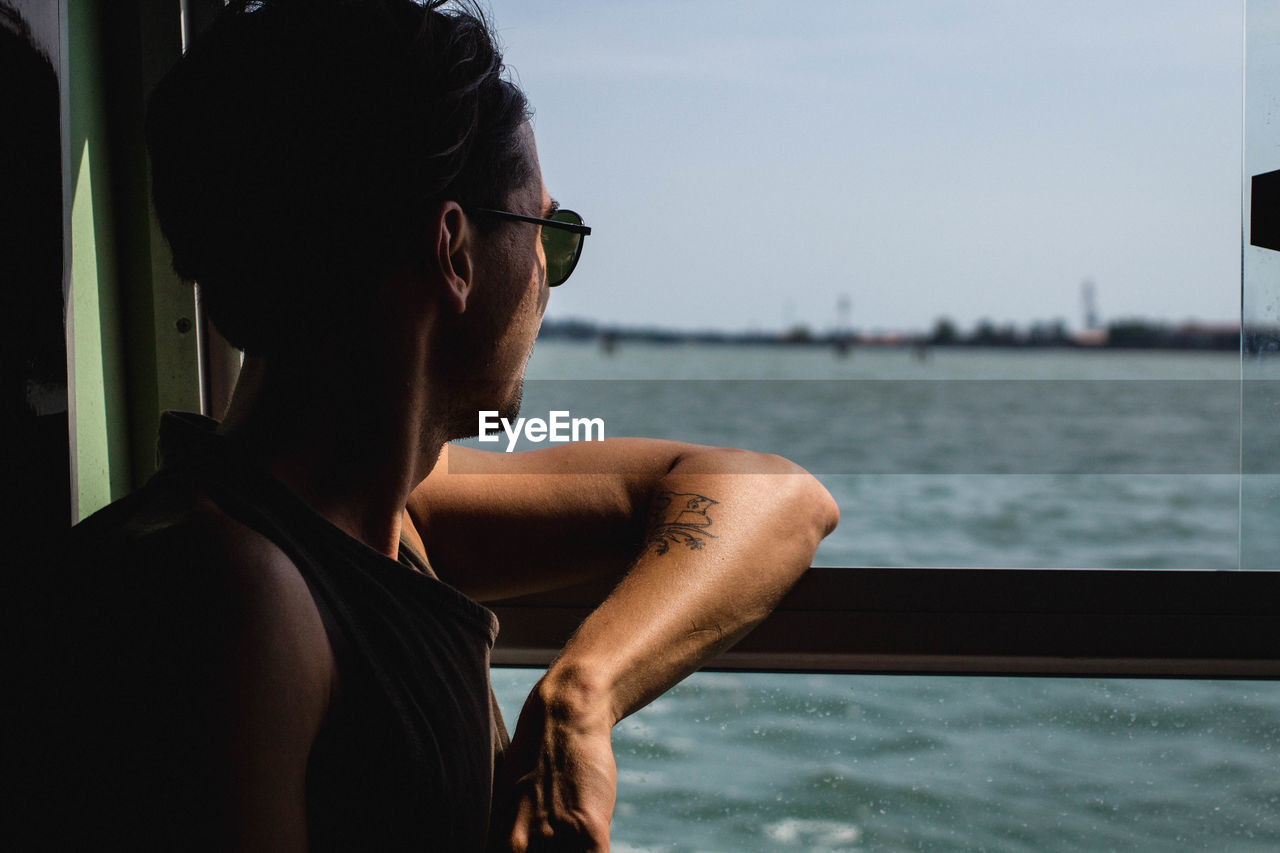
[
  {"x": 511, "y": 408},
  {"x": 466, "y": 423}
]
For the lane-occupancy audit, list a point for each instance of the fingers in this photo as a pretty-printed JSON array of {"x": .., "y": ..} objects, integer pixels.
[
  {"x": 520, "y": 830},
  {"x": 534, "y": 833},
  {"x": 524, "y": 817},
  {"x": 558, "y": 787}
]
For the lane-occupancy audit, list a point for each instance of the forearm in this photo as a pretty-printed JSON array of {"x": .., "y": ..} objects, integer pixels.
[{"x": 729, "y": 534}]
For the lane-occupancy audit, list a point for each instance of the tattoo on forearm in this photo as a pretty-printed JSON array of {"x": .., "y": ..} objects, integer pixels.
[{"x": 679, "y": 518}]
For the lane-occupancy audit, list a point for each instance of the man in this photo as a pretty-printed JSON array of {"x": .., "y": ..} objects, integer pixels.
[{"x": 276, "y": 643}]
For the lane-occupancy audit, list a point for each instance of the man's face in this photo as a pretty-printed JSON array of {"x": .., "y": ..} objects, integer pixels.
[{"x": 510, "y": 294}]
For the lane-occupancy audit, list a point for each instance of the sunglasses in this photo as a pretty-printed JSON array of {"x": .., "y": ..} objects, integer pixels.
[{"x": 562, "y": 238}]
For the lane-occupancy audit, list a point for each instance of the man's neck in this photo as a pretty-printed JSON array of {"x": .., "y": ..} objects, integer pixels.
[{"x": 351, "y": 442}]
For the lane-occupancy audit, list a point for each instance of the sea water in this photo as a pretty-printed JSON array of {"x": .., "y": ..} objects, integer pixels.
[{"x": 955, "y": 457}]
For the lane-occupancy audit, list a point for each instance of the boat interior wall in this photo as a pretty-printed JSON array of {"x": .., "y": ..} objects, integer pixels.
[{"x": 132, "y": 328}]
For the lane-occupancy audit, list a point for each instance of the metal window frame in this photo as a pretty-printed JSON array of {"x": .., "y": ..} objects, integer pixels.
[{"x": 1044, "y": 622}]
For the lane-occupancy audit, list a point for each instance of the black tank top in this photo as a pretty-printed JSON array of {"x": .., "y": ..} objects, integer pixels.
[{"x": 407, "y": 755}]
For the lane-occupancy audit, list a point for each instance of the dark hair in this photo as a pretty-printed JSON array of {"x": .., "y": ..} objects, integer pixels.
[{"x": 297, "y": 146}]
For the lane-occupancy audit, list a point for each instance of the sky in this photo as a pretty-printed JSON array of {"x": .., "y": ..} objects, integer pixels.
[{"x": 749, "y": 165}]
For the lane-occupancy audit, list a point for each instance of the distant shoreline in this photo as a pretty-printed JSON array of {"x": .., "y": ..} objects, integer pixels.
[{"x": 1120, "y": 335}]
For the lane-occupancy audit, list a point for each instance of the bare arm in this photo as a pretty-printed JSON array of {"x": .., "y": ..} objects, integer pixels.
[
  {"x": 499, "y": 525},
  {"x": 721, "y": 549},
  {"x": 721, "y": 535}
]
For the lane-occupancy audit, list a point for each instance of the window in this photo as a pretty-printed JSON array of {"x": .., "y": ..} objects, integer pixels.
[
  {"x": 775, "y": 761},
  {"x": 885, "y": 172},
  {"x": 1021, "y": 139}
]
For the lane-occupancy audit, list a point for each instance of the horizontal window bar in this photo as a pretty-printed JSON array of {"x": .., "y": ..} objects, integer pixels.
[{"x": 1112, "y": 623}]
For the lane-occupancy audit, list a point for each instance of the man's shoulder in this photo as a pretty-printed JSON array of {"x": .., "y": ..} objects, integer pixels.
[
  {"x": 172, "y": 643},
  {"x": 169, "y": 535},
  {"x": 167, "y": 563}
]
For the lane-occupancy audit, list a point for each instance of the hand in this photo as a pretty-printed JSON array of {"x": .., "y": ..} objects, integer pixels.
[{"x": 558, "y": 783}]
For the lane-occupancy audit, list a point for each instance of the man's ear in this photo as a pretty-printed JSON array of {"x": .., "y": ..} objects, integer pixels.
[{"x": 454, "y": 241}]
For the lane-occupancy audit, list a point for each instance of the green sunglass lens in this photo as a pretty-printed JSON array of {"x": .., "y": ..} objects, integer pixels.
[{"x": 561, "y": 247}]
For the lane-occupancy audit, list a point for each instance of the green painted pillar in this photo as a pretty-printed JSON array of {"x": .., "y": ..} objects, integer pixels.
[{"x": 131, "y": 335}]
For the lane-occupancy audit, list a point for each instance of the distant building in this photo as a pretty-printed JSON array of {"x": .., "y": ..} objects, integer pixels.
[
  {"x": 1089, "y": 304},
  {"x": 1090, "y": 338}
]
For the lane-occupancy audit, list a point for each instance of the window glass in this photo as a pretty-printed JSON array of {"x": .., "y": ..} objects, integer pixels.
[
  {"x": 746, "y": 762},
  {"x": 1260, "y": 487},
  {"x": 797, "y": 212},
  {"x": 833, "y": 186},
  {"x": 960, "y": 466}
]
